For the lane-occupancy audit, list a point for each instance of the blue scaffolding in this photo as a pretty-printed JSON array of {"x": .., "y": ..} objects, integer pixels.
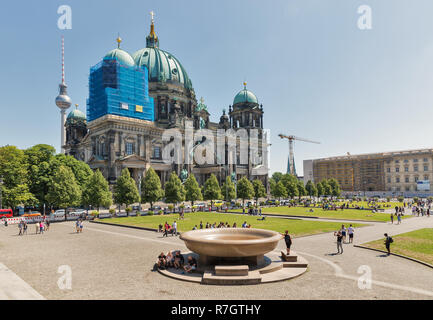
[{"x": 115, "y": 88}]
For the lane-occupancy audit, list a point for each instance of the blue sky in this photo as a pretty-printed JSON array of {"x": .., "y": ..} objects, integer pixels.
[{"x": 317, "y": 75}]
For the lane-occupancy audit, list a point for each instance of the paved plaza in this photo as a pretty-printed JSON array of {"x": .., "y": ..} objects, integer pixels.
[{"x": 110, "y": 262}]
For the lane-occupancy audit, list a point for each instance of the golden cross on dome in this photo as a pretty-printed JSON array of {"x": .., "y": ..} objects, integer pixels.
[
  {"x": 119, "y": 40},
  {"x": 245, "y": 84},
  {"x": 76, "y": 106}
]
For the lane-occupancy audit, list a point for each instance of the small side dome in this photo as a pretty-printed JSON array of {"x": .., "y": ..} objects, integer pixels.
[
  {"x": 245, "y": 96},
  {"x": 120, "y": 55},
  {"x": 76, "y": 116}
]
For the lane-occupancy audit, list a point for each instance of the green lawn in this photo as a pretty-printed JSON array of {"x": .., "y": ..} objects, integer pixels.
[
  {"x": 416, "y": 244},
  {"x": 296, "y": 227},
  {"x": 347, "y": 214}
]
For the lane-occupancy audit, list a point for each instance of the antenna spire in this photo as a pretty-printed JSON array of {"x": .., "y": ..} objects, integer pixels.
[{"x": 63, "y": 59}]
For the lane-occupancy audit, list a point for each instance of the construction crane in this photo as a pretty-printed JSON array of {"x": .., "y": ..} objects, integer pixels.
[{"x": 291, "y": 161}]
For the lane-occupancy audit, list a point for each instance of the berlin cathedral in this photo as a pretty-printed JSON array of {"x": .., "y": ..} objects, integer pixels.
[{"x": 134, "y": 98}]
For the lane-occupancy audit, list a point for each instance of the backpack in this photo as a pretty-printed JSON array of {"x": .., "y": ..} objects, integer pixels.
[{"x": 391, "y": 240}]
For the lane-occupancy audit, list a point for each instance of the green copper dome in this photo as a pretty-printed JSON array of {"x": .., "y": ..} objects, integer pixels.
[
  {"x": 245, "y": 96},
  {"x": 75, "y": 116},
  {"x": 162, "y": 66},
  {"x": 120, "y": 55}
]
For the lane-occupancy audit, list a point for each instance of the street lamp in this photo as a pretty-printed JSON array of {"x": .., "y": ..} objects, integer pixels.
[{"x": 1, "y": 184}]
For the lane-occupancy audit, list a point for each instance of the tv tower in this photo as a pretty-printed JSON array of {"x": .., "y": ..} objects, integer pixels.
[{"x": 63, "y": 101}]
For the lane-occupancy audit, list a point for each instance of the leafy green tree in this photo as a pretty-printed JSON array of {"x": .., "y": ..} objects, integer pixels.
[
  {"x": 245, "y": 190},
  {"x": 212, "y": 190},
  {"x": 174, "y": 190},
  {"x": 279, "y": 191},
  {"x": 125, "y": 189},
  {"x": 38, "y": 159},
  {"x": 63, "y": 190},
  {"x": 228, "y": 189},
  {"x": 311, "y": 189},
  {"x": 320, "y": 189},
  {"x": 151, "y": 190},
  {"x": 259, "y": 189},
  {"x": 327, "y": 190},
  {"x": 301, "y": 189},
  {"x": 97, "y": 192},
  {"x": 277, "y": 176},
  {"x": 13, "y": 171},
  {"x": 335, "y": 187},
  {"x": 291, "y": 184},
  {"x": 81, "y": 170},
  {"x": 192, "y": 190}
]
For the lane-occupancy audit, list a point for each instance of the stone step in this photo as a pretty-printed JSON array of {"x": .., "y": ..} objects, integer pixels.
[
  {"x": 300, "y": 263},
  {"x": 291, "y": 258},
  {"x": 253, "y": 277},
  {"x": 241, "y": 270},
  {"x": 274, "y": 266}
]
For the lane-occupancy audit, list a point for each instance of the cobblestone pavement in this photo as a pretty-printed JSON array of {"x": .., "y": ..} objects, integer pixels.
[{"x": 109, "y": 262}]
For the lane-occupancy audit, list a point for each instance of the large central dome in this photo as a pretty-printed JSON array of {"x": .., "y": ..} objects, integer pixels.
[{"x": 162, "y": 66}]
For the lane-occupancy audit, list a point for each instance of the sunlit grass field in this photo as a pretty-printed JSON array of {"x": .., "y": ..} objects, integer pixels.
[
  {"x": 416, "y": 244},
  {"x": 296, "y": 228}
]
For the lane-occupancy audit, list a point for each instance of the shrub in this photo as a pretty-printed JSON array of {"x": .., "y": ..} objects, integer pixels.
[
  {"x": 150, "y": 213},
  {"x": 94, "y": 213},
  {"x": 128, "y": 209},
  {"x": 388, "y": 199},
  {"x": 400, "y": 199},
  {"x": 112, "y": 211},
  {"x": 170, "y": 207},
  {"x": 182, "y": 206},
  {"x": 161, "y": 211},
  {"x": 277, "y": 203}
]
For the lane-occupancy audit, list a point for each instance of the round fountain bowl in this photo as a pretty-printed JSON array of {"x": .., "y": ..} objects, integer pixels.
[{"x": 231, "y": 242}]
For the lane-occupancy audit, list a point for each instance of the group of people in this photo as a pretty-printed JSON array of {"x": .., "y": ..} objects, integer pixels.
[
  {"x": 220, "y": 225},
  {"x": 342, "y": 236},
  {"x": 176, "y": 260},
  {"x": 168, "y": 229},
  {"x": 40, "y": 226},
  {"x": 79, "y": 226}
]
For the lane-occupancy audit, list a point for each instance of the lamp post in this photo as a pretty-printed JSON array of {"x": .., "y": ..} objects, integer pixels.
[{"x": 1, "y": 185}]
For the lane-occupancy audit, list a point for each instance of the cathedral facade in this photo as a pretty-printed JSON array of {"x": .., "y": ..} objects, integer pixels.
[{"x": 134, "y": 99}]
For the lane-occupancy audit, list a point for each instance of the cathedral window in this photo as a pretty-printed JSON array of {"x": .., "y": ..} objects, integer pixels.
[{"x": 129, "y": 148}]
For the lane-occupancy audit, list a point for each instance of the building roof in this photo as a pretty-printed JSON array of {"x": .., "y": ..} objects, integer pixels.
[{"x": 245, "y": 96}]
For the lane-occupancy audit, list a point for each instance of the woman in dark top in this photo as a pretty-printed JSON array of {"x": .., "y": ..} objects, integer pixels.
[{"x": 288, "y": 241}]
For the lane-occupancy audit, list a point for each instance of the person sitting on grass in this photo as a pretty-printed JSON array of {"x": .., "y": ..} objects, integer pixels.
[
  {"x": 161, "y": 261},
  {"x": 235, "y": 225},
  {"x": 179, "y": 260},
  {"x": 191, "y": 265},
  {"x": 160, "y": 228}
]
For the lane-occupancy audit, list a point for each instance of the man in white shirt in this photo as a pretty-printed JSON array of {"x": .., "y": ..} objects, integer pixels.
[
  {"x": 351, "y": 231},
  {"x": 174, "y": 228}
]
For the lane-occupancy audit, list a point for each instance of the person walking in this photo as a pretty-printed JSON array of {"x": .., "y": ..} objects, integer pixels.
[
  {"x": 392, "y": 218},
  {"x": 351, "y": 231},
  {"x": 24, "y": 227},
  {"x": 41, "y": 227},
  {"x": 174, "y": 229},
  {"x": 343, "y": 232},
  {"x": 288, "y": 241},
  {"x": 37, "y": 227},
  {"x": 399, "y": 218},
  {"x": 388, "y": 241},
  {"x": 339, "y": 236},
  {"x": 20, "y": 228}
]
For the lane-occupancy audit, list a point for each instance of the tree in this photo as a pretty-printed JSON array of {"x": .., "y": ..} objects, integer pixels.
[
  {"x": 228, "y": 189},
  {"x": 335, "y": 187},
  {"x": 81, "y": 170},
  {"x": 174, "y": 190},
  {"x": 151, "y": 190},
  {"x": 277, "y": 176},
  {"x": 97, "y": 192},
  {"x": 320, "y": 190},
  {"x": 259, "y": 190},
  {"x": 192, "y": 190},
  {"x": 301, "y": 189},
  {"x": 125, "y": 189},
  {"x": 38, "y": 159},
  {"x": 245, "y": 190},
  {"x": 63, "y": 190},
  {"x": 311, "y": 189},
  {"x": 13, "y": 171},
  {"x": 291, "y": 184},
  {"x": 327, "y": 190},
  {"x": 279, "y": 191},
  {"x": 212, "y": 190}
]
